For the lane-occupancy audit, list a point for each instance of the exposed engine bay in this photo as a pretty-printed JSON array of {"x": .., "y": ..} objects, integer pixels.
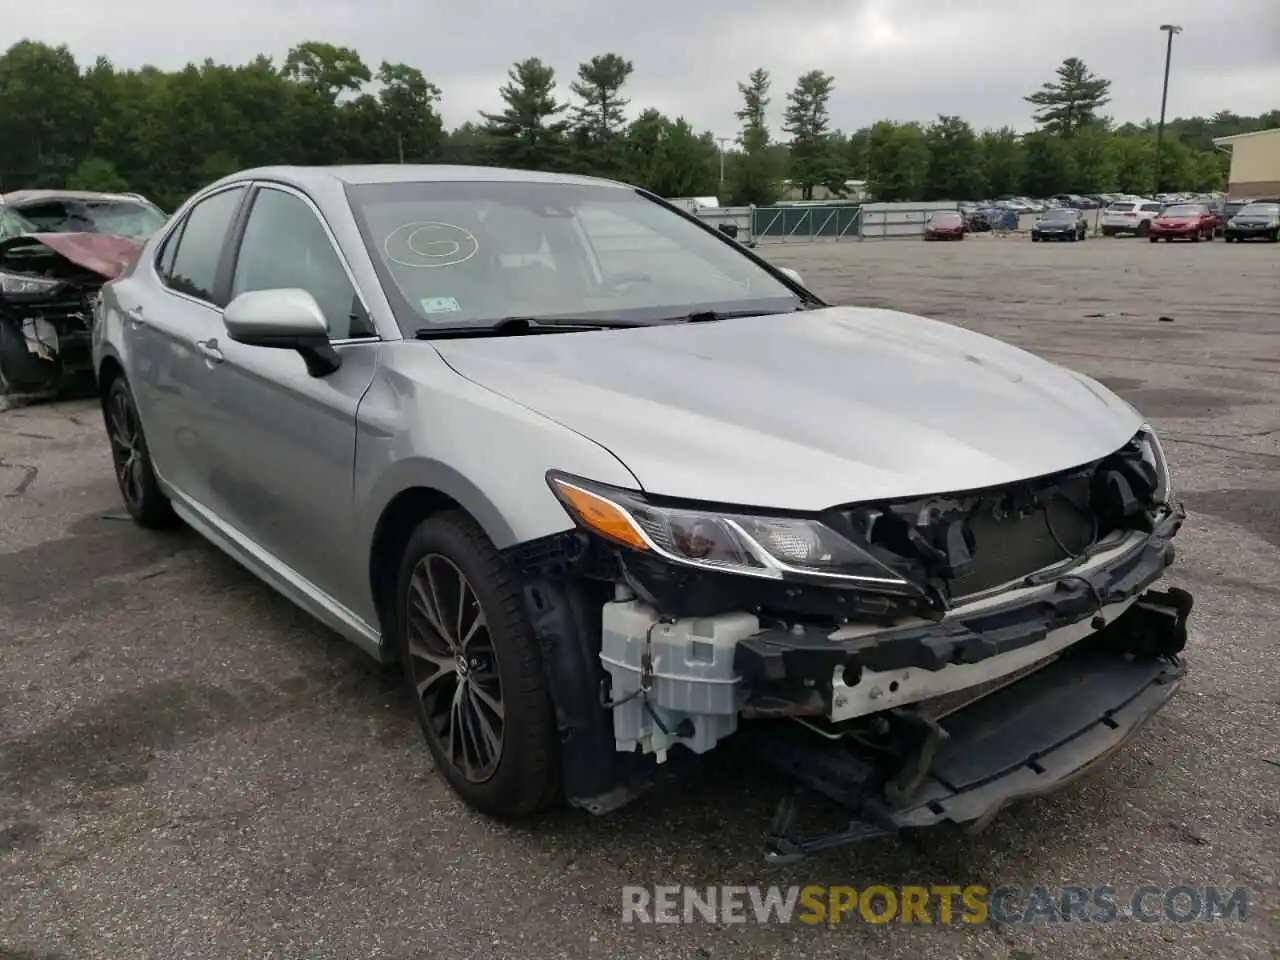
[
  {"x": 970, "y": 641},
  {"x": 49, "y": 285}
]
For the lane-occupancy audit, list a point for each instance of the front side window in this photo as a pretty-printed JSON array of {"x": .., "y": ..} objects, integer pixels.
[
  {"x": 475, "y": 252},
  {"x": 204, "y": 234},
  {"x": 285, "y": 246}
]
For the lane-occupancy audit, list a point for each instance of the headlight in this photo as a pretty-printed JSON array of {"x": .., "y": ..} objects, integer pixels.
[
  {"x": 16, "y": 283},
  {"x": 757, "y": 546},
  {"x": 1153, "y": 453}
]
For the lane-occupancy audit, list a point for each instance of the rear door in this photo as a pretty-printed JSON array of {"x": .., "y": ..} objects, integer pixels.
[
  {"x": 284, "y": 441},
  {"x": 170, "y": 310}
]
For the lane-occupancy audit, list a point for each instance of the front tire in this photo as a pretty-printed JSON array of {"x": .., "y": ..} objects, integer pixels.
[
  {"x": 131, "y": 458},
  {"x": 474, "y": 670}
]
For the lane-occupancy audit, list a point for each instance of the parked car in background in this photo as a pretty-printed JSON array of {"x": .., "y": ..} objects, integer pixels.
[
  {"x": 1129, "y": 217},
  {"x": 1229, "y": 209},
  {"x": 945, "y": 225},
  {"x": 82, "y": 211},
  {"x": 1184, "y": 221},
  {"x": 613, "y": 489},
  {"x": 57, "y": 248},
  {"x": 1259, "y": 220},
  {"x": 978, "y": 220},
  {"x": 1063, "y": 223}
]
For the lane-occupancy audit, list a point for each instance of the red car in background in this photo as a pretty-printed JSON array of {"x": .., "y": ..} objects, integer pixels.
[
  {"x": 945, "y": 225},
  {"x": 1184, "y": 221}
]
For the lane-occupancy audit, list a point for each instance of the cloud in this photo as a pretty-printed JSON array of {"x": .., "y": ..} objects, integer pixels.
[{"x": 895, "y": 59}]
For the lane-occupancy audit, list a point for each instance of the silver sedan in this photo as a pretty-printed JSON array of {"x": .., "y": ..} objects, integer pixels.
[{"x": 616, "y": 491}]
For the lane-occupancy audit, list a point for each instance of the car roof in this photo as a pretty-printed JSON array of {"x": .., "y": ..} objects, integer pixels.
[
  {"x": 27, "y": 196},
  {"x": 306, "y": 178}
]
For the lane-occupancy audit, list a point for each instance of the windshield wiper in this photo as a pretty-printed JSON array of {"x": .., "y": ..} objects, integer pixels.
[
  {"x": 518, "y": 326},
  {"x": 710, "y": 316}
]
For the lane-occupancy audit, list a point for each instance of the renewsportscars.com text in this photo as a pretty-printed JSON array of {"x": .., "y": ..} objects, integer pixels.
[{"x": 935, "y": 904}]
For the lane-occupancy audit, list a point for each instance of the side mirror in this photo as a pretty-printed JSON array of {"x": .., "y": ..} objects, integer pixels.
[
  {"x": 792, "y": 275},
  {"x": 730, "y": 230},
  {"x": 284, "y": 319}
]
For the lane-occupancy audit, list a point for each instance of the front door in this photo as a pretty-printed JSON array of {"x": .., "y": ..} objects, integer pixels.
[{"x": 285, "y": 440}]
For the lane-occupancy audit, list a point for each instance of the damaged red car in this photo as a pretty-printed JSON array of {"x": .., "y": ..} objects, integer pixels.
[{"x": 57, "y": 248}]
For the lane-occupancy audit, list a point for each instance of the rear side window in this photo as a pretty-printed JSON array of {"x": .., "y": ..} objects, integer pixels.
[{"x": 199, "y": 249}]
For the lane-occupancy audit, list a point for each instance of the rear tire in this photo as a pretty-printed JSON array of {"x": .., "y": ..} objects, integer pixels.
[
  {"x": 131, "y": 458},
  {"x": 474, "y": 670}
]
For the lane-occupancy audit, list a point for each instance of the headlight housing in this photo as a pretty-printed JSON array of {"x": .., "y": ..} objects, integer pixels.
[
  {"x": 18, "y": 283},
  {"x": 1153, "y": 453},
  {"x": 768, "y": 547}
]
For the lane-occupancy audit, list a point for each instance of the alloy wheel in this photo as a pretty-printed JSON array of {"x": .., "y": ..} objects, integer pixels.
[
  {"x": 126, "y": 448},
  {"x": 454, "y": 667}
]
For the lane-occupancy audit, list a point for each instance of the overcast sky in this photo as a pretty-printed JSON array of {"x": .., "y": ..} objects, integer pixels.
[{"x": 895, "y": 59}]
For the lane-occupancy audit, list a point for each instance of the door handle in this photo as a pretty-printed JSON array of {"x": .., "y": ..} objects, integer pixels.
[
  {"x": 134, "y": 316},
  {"x": 209, "y": 350}
]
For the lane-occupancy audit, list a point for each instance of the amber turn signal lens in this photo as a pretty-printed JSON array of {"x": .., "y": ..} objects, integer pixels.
[{"x": 601, "y": 515}]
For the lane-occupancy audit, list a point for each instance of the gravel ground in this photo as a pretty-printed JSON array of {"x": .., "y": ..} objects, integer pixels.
[{"x": 189, "y": 767}]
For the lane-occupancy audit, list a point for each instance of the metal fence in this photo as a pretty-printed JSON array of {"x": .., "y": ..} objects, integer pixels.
[
  {"x": 820, "y": 222},
  {"x": 824, "y": 221}
]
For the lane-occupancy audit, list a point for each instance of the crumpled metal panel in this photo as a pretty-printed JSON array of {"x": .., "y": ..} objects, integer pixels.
[{"x": 105, "y": 255}]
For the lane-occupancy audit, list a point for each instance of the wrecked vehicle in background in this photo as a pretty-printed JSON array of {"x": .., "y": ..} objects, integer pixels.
[{"x": 57, "y": 248}]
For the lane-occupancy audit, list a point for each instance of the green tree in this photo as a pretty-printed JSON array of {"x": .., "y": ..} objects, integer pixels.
[
  {"x": 955, "y": 161},
  {"x": 408, "y": 108},
  {"x": 45, "y": 114},
  {"x": 897, "y": 162},
  {"x": 1049, "y": 164},
  {"x": 1002, "y": 161},
  {"x": 601, "y": 118},
  {"x": 530, "y": 131},
  {"x": 326, "y": 69},
  {"x": 815, "y": 155},
  {"x": 94, "y": 173},
  {"x": 1072, "y": 101},
  {"x": 756, "y": 172}
]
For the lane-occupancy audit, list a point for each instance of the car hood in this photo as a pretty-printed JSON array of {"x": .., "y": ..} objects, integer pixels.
[
  {"x": 806, "y": 410},
  {"x": 103, "y": 254}
]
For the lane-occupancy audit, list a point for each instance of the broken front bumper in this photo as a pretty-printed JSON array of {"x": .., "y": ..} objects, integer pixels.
[{"x": 1026, "y": 739}]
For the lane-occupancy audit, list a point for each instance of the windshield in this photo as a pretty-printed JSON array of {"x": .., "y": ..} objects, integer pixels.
[
  {"x": 470, "y": 253},
  {"x": 122, "y": 218},
  {"x": 1184, "y": 210},
  {"x": 1260, "y": 210},
  {"x": 1061, "y": 214},
  {"x": 14, "y": 224},
  {"x": 945, "y": 218}
]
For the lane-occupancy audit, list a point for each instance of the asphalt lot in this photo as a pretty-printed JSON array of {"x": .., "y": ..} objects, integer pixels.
[{"x": 190, "y": 767}]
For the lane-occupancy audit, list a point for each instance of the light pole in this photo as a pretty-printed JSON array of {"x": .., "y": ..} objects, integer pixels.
[
  {"x": 722, "y": 141},
  {"x": 1170, "y": 29}
]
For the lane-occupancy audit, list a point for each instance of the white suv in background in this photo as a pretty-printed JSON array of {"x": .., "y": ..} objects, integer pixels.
[{"x": 1129, "y": 216}]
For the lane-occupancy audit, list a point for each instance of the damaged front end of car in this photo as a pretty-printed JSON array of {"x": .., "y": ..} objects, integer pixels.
[
  {"x": 915, "y": 661},
  {"x": 49, "y": 286}
]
